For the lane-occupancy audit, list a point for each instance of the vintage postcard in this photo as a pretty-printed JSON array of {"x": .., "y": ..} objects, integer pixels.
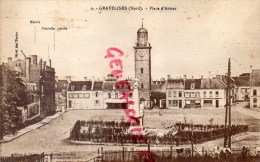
[{"x": 132, "y": 81}]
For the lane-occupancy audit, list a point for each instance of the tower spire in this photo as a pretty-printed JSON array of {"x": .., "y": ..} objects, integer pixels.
[{"x": 142, "y": 22}]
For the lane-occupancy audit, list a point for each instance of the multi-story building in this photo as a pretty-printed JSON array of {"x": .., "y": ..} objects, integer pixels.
[
  {"x": 47, "y": 89},
  {"x": 60, "y": 94},
  {"x": 255, "y": 89},
  {"x": 39, "y": 81},
  {"x": 112, "y": 94},
  {"x": 242, "y": 88},
  {"x": 192, "y": 93},
  {"x": 175, "y": 93},
  {"x": 213, "y": 93},
  {"x": 79, "y": 95},
  {"x": 98, "y": 94},
  {"x": 195, "y": 93}
]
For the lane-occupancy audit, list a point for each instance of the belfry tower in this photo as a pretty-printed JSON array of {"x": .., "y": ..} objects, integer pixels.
[{"x": 143, "y": 66}]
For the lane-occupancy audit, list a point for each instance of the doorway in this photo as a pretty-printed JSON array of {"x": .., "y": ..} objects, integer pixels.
[
  {"x": 217, "y": 103},
  {"x": 180, "y": 103}
]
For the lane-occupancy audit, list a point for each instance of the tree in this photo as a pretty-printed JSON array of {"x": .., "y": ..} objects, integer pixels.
[{"x": 13, "y": 93}]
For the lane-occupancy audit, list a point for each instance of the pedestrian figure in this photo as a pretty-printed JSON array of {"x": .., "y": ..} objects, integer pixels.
[
  {"x": 13, "y": 127},
  {"x": 160, "y": 113}
]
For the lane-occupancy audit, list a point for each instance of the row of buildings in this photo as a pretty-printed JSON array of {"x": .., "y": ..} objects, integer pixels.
[
  {"x": 38, "y": 79},
  {"x": 169, "y": 93}
]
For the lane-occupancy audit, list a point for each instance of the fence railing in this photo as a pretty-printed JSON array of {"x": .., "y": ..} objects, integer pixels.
[{"x": 180, "y": 154}]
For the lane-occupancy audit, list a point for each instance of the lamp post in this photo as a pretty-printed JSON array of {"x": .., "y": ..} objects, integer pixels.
[{"x": 192, "y": 149}]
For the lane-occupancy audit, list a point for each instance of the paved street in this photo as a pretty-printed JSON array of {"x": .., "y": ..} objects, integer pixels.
[
  {"x": 254, "y": 112},
  {"x": 52, "y": 137}
]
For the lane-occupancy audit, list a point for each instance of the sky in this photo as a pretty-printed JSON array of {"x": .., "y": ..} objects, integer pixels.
[{"x": 195, "y": 39}]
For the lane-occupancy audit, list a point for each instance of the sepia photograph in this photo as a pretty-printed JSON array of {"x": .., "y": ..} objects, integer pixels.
[{"x": 129, "y": 81}]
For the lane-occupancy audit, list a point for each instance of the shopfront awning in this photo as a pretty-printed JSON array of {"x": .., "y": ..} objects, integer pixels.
[{"x": 114, "y": 100}]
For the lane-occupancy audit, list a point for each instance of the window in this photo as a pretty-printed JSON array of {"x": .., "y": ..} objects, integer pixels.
[
  {"x": 81, "y": 95},
  {"x": 72, "y": 87},
  {"x": 187, "y": 94},
  {"x": 96, "y": 94},
  {"x": 75, "y": 95},
  {"x": 109, "y": 95},
  {"x": 169, "y": 93},
  {"x": 243, "y": 89},
  {"x": 70, "y": 96},
  {"x": 210, "y": 93},
  {"x": 170, "y": 103},
  {"x": 174, "y": 103},
  {"x": 204, "y": 94},
  {"x": 192, "y": 94},
  {"x": 97, "y": 102},
  {"x": 116, "y": 95},
  {"x": 131, "y": 95},
  {"x": 84, "y": 87},
  {"x": 86, "y": 95},
  {"x": 174, "y": 93},
  {"x": 254, "y": 92},
  {"x": 216, "y": 93},
  {"x": 254, "y": 100},
  {"x": 180, "y": 94},
  {"x": 142, "y": 70},
  {"x": 192, "y": 86},
  {"x": 142, "y": 85},
  {"x": 197, "y": 94}
]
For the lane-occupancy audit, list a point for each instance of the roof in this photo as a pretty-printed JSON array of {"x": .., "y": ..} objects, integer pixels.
[
  {"x": 156, "y": 87},
  {"x": 78, "y": 85},
  {"x": 255, "y": 77},
  {"x": 142, "y": 30},
  {"x": 61, "y": 85},
  {"x": 212, "y": 83},
  {"x": 175, "y": 81},
  {"x": 242, "y": 80},
  {"x": 111, "y": 85},
  {"x": 188, "y": 83},
  {"x": 98, "y": 85}
]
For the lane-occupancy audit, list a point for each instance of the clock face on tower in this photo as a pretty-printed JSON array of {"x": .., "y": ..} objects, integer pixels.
[{"x": 141, "y": 54}]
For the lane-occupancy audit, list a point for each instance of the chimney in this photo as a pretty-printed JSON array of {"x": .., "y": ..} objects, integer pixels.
[
  {"x": 86, "y": 78},
  {"x": 44, "y": 65},
  {"x": 40, "y": 64},
  {"x": 9, "y": 60},
  {"x": 201, "y": 76},
  {"x": 185, "y": 76},
  {"x": 27, "y": 67},
  {"x": 34, "y": 59},
  {"x": 168, "y": 77},
  {"x": 50, "y": 62}
]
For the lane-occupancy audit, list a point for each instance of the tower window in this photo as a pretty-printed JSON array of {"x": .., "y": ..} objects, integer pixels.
[
  {"x": 142, "y": 85},
  {"x": 142, "y": 70}
]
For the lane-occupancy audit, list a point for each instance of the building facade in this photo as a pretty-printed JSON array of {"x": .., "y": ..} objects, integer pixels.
[
  {"x": 255, "y": 89},
  {"x": 175, "y": 93},
  {"x": 61, "y": 94},
  {"x": 39, "y": 80},
  {"x": 242, "y": 88},
  {"x": 192, "y": 93},
  {"x": 213, "y": 93},
  {"x": 47, "y": 89},
  {"x": 79, "y": 95},
  {"x": 195, "y": 93}
]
